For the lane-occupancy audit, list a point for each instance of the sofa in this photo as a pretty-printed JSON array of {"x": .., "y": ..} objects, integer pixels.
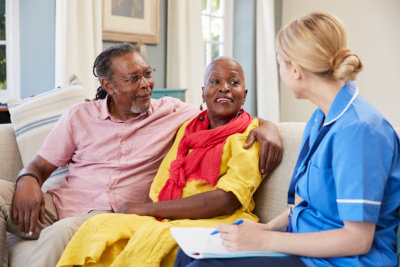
[{"x": 270, "y": 198}]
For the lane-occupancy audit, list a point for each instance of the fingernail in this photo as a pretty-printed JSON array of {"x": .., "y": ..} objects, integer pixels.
[{"x": 30, "y": 233}]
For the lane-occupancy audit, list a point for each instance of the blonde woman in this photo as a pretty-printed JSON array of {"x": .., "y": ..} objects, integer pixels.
[{"x": 345, "y": 189}]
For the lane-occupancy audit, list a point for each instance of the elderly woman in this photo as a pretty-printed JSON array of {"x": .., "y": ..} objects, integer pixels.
[
  {"x": 207, "y": 178},
  {"x": 347, "y": 177}
]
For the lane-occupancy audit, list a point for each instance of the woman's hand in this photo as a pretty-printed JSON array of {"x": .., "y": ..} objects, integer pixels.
[
  {"x": 247, "y": 236},
  {"x": 355, "y": 238},
  {"x": 142, "y": 209},
  {"x": 271, "y": 145}
]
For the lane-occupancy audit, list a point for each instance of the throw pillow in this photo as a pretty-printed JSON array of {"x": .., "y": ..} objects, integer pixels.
[{"x": 34, "y": 117}]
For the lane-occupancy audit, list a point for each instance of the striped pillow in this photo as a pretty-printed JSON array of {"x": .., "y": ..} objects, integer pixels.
[{"x": 34, "y": 117}]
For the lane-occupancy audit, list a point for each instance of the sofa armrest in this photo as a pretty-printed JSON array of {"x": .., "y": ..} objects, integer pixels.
[{"x": 10, "y": 159}]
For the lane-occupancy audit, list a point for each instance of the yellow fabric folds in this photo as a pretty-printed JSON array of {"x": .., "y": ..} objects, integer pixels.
[{"x": 132, "y": 240}]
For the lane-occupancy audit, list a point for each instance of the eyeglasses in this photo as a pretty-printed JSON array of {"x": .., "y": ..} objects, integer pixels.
[{"x": 135, "y": 78}]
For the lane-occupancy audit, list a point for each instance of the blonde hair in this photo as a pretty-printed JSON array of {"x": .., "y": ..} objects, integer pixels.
[{"x": 317, "y": 42}]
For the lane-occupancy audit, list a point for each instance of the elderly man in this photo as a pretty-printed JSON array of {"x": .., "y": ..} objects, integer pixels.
[{"x": 113, "y": 147}]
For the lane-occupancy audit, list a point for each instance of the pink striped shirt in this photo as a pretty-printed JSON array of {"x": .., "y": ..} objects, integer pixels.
[{"x": 110, "y": 161}]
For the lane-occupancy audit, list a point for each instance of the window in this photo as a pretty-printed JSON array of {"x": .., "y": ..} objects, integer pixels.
[
  {"x": 217, "y": 23},
  {"x": 9, "y": 49}
]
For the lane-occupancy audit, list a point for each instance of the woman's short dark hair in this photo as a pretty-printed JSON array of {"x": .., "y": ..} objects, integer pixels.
[{"x": 102, "y": 64}]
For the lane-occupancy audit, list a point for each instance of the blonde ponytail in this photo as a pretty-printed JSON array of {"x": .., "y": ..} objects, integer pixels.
[
  {"x": 345, "y": 65},
  {"x": 317, "y": 42}
]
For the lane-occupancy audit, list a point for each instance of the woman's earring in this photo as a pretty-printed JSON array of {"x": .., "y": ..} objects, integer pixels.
[
  {"x": 239, "y": 112},
  {"x": 201, "y": 106}
]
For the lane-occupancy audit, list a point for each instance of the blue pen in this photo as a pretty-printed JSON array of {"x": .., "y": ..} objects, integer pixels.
[{"x": 235, "y": 223}]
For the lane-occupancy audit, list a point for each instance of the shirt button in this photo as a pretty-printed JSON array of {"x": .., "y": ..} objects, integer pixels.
[{"x": 122, "y": 142}]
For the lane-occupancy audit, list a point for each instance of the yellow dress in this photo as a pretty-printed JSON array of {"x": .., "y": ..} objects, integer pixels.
[{"x": 132, "y": 240}]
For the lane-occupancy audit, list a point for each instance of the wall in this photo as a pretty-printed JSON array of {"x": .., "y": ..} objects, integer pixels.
[
  {"x": 373, "y": 33},
  {"x": 244, "y": 46},
  {"x": 37, "y": 46},
  {"x": 156, "y": 55}
]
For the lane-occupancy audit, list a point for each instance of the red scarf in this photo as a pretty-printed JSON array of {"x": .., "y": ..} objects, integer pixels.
[{"x": 204, "y": 161}]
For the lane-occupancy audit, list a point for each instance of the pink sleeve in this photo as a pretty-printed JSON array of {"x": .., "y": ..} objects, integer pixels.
[{"x": 59, "y": 145}]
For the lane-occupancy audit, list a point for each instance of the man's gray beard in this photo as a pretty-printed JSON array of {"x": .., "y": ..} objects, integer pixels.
[{"x": 139, "y": 110}]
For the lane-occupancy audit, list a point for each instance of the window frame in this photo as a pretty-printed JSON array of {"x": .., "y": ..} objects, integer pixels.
[
  {"x": 12, "y": 52},
  {"x": 227, "y": 31}
]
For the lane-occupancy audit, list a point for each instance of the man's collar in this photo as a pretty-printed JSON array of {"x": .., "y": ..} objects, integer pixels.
[
  {"x": 104, "y": 113},
  {"x": 342, "y": 102}
]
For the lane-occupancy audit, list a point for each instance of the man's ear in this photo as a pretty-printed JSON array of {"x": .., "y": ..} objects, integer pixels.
[
  {"x": 107, "y": 85},
  {"x": 296, "y": 71}
]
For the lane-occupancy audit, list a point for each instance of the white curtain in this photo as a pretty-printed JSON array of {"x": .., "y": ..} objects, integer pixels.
[
  {"x": 78, "y": 41},
  {"x": 267, "y": 72},
  {"x": 185, "y": 53}
]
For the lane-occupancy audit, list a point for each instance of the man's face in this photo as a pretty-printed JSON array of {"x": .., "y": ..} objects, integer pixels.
[{"x": 132, "y": 83}]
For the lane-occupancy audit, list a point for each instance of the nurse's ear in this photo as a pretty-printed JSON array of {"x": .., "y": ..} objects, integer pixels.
[{"x": 296, "y": 71}]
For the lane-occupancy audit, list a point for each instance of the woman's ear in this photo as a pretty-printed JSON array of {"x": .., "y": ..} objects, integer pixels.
[
  {"x": 296, "y": 71},
  {"x": 244, "y": 97},
  {"x": 203, "y": 94}
]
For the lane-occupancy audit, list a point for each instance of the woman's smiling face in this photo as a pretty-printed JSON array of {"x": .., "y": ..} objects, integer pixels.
[{"x": 224, "y": 90}]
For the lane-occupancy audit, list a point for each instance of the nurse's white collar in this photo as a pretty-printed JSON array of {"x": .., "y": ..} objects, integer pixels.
[{"x": 349, "y": 89}]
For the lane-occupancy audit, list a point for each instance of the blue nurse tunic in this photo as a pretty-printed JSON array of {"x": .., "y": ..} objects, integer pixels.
[{"x": 354, "y": 175}]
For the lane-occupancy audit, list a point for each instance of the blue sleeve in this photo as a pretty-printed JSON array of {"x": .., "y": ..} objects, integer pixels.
[{"x": 361, "y": 163}]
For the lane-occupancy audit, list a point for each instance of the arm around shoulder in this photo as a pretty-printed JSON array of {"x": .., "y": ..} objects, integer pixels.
[{"x": 267, "y": 135}]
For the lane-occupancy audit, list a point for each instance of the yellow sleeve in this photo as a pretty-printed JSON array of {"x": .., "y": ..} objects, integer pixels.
[
  {"x": 163, "y": 171},
  {"x": 239, "y": 168}
]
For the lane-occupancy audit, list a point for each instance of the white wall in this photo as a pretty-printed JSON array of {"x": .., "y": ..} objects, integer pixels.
[{"x": 373, "y": 33}]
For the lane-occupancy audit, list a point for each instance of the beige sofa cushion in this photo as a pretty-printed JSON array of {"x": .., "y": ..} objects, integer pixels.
[
  {"x": 271, "y": 196},
  {"x": 18, "y": 250},
  {"x": 10, "y": 160}
]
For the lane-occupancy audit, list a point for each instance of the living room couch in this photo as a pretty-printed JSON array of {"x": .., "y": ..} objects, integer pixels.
[{"x": 270, "y": 198}]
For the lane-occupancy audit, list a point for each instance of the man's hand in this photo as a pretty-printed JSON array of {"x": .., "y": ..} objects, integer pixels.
[
  {"x": 271, "y": 145},
  {"x": 28, "y": 205}
]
